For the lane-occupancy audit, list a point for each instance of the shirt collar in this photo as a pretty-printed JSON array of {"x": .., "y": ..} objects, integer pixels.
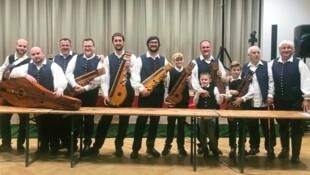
[
  {"x": 179, "y": 70},
  {"x": 210, "y": 59},
  {"x": 84, "y": 56},
  {"x": 252, "y": 65},
  {"x": 289, "y": 60},
  {"x": 148, "y": 55},
  {"x": 70, "y": 53},
  {"x": 119, "y": 56},
  {"x": 43, "y": 63},
  {"x": 23, "y": 57}
]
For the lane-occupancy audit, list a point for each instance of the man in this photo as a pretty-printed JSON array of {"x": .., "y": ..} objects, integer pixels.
[
  {"x": 62, "y": 59},
  {"x": 203, "y": 65},
  {"x": 260, "y": 96},
  {"x": 79, "y": 65},
  {"x": 49, "y": 75},
  {"x": 111, "y": 65},
  {"x": 145, "y": 66},
  {"x": 18, "y": 58},
  {"x": 292, "y": 92}
]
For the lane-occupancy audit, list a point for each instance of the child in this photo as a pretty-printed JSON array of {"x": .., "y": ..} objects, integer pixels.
[
  {"x": 172, "y": 77},
  {"x": 208, "y": 98},
  {"x": 234, "y": 81}
]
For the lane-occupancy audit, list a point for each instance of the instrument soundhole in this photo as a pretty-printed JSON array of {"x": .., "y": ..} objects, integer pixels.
[
  {"x": 20, "y": 92},
  {"x": 119, "y": 94},
  {"x": 176, "y": 95}
]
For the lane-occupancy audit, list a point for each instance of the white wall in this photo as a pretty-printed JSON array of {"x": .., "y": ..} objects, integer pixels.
[{"x": 287, "y": 14}]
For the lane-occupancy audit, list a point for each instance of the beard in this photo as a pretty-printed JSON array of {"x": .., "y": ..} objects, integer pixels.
[
  {"x": 118, "y": 47},
  {"x": 153, "y": 49}
]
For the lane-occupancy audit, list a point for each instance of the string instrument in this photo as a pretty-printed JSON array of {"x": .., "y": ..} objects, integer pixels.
[
  {"x": 22, "y": 93},
  {"x": 118, "y": 92},
  {"x": 242, "y": 89},
  {"x": 152, "y": 81},
  {"x": 84, "y": 80},
  {"x": 216, "y": 79},
  {"x": 176, "y": 94}
]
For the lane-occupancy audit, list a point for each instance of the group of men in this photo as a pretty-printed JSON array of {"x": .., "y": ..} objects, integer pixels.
[{"x": 283, "y": 82}]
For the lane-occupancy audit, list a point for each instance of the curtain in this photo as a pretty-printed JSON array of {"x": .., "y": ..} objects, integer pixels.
[{"x": 180, "y": 25}]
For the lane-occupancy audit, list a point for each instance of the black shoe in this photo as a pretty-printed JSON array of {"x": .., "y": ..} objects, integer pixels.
[
  {"x": 86, "y": 151},
  {"x": 53, "y": 154},
  {"x": 216, "y": 155},
  {"x": 206, "y": 153},
  {"x": 68, "y": 153},
  {"x": 166, "y": 151},
  {"x": 153, "y": 152},
  {"x": 134, "y": 155},
  {"x": 220, "y": 152},
  {"x": 20, "y": 148},
  {"x": 253, "y": 151},
  {"x": 200, "y": 149},
  {"x": 246, "y": 153},
  {"x": 232, "y": 153},
  {"x": 295, "y": 159},
  {"x": 283, "y": 154},
  {"x": 5, "y": 148},
  {"x": 271, "y": 155},
  {"x": 182, "y": 152},
  {"x": 42, "y": 151},
  {"x": 119, "y": 152}
]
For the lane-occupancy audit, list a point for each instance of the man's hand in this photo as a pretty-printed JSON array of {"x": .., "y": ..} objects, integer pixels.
[
  {"x": 204, "y": 93},
  {"x": 306, "y": 105},
  {"x": 237, "y": 102},
  {"x": 58, "y": 93},
  {"x": 79, "y": 89},
  {"x": 31, "y": 78},
  {"x": 106, "y": 101},
  {"x": 145, "y": 93}
]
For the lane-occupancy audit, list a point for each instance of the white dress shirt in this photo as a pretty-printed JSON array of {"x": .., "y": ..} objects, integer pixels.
[
  {"x": 304, "y": 77},
  {"x": 194, "y": 78},
  {"x": 70, "y": 76},
  {"x": 105, "y": 79},
  {"x": 135, "y": 73},
  {"x": 7, "y": 62},
  {"x": 60, "y": 81}
]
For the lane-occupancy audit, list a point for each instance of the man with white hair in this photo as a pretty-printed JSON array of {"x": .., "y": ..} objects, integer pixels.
[{"x": 292, "y": 92}]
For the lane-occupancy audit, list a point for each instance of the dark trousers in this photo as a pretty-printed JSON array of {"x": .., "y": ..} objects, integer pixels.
[
  {"x": 234, "y": 126},
  {"x": 285, "y": 125},
  {"x": 48, "y": 132},
  {"x": 171, "y": 128},
  {"x": 105, "y": 122},
  {"x": 154, "y": 100},
  {"x": 268, "y": 129},
  {"x": 89, "y": 99},
  {"x": 5, "y": 125}
]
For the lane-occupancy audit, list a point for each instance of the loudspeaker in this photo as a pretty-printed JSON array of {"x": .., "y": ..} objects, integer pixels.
[{"x": 302, "y": 41}]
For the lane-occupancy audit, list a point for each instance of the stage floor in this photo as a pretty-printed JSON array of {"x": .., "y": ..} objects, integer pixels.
[{"x": 106, "y": 163}]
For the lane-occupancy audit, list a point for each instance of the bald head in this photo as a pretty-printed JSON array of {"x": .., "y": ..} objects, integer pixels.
[
  {"x": 254, "y": 54},
  {"x": 37, "y": 55},
  {"x": 21, "y": 47}
]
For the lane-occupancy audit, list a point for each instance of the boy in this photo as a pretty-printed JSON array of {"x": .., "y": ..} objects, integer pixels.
[
  {"x": 172, "y": 77},
  {"x": 208, "y": 98},
  {"x": 234, "y": 81}
]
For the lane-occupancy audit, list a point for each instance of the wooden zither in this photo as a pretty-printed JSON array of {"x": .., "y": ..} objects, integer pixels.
[
  {"x": 242, "y": 89},
  {"x": 22, "y": 93},
  {"x": 118, "y": 92},
  {"x": 176, "y": 94},
  {"x": 152, "y": 81},
  {"x": 84, "y": 80}
]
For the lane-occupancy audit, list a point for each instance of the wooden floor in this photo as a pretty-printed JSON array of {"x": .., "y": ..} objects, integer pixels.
[{"x": 13, "y": 163}]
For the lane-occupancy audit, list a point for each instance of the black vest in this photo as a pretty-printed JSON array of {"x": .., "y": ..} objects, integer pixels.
[
  {"x": 286, "y": 80},
  {"x": 62, "y": 62},
  {"x": 12, "y": 60},
  {"x": 84, "y": 66},
  {"x": 262, "y": 77},
  {"x": 208, "y": 102},
  {"x": 114, "y": 64},
  {"x": 174, "y": 77},
  {"x": 149, "y": 66},
  {"x": 44, "y": 76}
]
